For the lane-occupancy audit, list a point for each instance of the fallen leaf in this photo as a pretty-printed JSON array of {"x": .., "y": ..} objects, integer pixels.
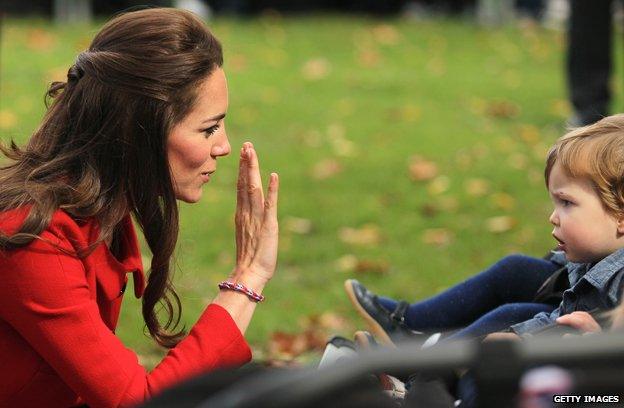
[
  {"x": 7, "y": 119},
  {"x": 340, "y": 144},
  {"x": 40, "y": 40},
  {"x": 326, "y": 169},
  {"x": 368, "y": 58},
  {"x": 316, "y": 69},
  {"x": 517, "y": 161},
  {"x": 333, "y": 321},
  {"x": 560, "y": 108},
  {"x": 346, "y": 263},
  {"x": 503, "y": 201},
  {"x": 500, "y": 224},
  {"x": 410, "y": 113},
  {"x": 368, "y": 234},
  {"x": 429, "y": 210},
  {"x": 436, "y": 66},
  {"x": 448, "y": 204},
  {"x": 530, "y": 134},
  {"x": 439, "y": 185},
  {"x": 477, "y": 187},
  {"x": 298, "y": 225},
  {"x": 502, "y": 109},
  {"x": 372, "y": 266},
  {"x": 386, "y": 34},
  {"x": 237, "y": 62},
  {"x": 421, "y": 169},
  {"x": 437, "y": 236},
  {"x": 287, "y": 345}
]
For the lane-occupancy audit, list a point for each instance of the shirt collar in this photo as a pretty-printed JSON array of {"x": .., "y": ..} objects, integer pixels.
[{"x": 599, "y": 274}]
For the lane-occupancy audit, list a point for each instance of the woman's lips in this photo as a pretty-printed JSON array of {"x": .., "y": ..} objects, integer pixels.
[{"x": 205, "y": 176}]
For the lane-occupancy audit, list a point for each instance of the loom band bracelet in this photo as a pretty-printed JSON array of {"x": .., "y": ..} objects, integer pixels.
[{"x": 239, "y": 287}]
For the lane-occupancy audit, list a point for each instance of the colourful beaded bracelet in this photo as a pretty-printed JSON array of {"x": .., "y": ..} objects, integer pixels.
[{"x": 238, "y": 287}]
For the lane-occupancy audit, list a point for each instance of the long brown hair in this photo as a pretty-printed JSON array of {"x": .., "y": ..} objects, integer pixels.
[{"x": 101, "y": 148}]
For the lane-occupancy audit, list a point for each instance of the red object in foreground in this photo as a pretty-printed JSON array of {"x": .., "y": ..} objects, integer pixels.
[{"x": 58, "y": 315}]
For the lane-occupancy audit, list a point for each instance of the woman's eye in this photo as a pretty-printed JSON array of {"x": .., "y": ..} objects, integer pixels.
[{"x": 211, "y": 130}]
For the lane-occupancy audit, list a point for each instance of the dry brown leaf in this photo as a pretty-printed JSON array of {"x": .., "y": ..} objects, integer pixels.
[
  {"x": 346, "y": 263},
  {"x": 477, "y": 187},
  {"x": 326, "y": 169},
  {"x": 436, "y": 66},
  {"x": 503, "y": 201},
  {"x": 40, "y": 40},
  {"x": 448, "y": 204},
  {"x": 298, "y": 225},
  {"x": 7, "y": 119},
  {"x": 287, "y": 345},
  {"x": 500, "y": 224},
  {"x": 368, "y": 234},
  {"x": 437, "y": 236},
  {"x": 372, "y": 266},
  {"x": 340, "y": 144},
  {"x": 386, "y": 34},
  {"x": 518, "y": 161},
  {"x": 530, "y": 134},
  {"x": 463, "y": 159},
  {"x": 560, "y": 108},
  {"x": 429, "y": 210},
  {"x": 421, "y": 169},
  {"x": 316, "y": 69},
  {"x": 502, "y": 109},
  {"x": 333, "y": 321},
  {"x": 439, "y": 185},
  {"x": 237, "y": 62},
  {"x": 368, "y": 58}
]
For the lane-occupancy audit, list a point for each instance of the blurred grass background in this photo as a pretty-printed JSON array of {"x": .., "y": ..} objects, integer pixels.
[{"x": 410, "y": 155}]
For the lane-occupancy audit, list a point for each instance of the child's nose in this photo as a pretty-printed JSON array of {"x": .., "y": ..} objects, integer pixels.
[{"x": 554, "y": 218}]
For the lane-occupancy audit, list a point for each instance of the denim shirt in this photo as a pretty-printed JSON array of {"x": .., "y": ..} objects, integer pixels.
[{"x": 592, "y": 286}]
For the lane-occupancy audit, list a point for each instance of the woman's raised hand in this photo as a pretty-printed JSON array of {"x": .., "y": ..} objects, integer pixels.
[{"x": 256, "y": 219}]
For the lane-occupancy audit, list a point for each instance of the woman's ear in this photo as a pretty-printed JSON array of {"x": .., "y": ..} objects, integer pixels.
[{"x": 620, "y": 224}]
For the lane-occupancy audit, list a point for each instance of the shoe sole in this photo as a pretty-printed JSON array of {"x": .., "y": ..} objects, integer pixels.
[
  {"x": 374, "y": 327},
  {"x": 364, "y": 340}
]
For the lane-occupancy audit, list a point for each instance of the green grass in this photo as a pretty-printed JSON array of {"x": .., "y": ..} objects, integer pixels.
[{"x": 393, "y": 89}]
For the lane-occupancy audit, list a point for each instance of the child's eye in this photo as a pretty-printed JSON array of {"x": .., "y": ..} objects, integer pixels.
[
  {"x": 211, "y": 130},
  {"x": 566, "y": 203}
]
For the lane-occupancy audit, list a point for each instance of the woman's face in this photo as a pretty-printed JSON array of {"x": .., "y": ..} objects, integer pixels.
[{"x": 195, "y": 142}]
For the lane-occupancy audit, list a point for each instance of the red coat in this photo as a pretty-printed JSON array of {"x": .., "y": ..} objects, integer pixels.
[{"x": 58, "y": 315}]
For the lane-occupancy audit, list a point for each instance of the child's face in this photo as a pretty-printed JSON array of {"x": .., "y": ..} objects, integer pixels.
[{"x": 584, "y": 230}]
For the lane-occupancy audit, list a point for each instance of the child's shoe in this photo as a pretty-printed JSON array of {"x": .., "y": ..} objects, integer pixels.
[{"x": 388, "y": 327}]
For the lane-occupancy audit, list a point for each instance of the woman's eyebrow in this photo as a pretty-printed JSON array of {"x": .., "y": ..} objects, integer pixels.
[{"x": 215, "y": 118}]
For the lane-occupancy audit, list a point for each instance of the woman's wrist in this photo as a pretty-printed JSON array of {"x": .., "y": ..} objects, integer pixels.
[{"x": 250, "y": 279}]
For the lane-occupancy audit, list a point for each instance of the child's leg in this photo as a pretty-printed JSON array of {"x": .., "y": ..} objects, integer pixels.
[
  {"x": 513, "y": 279},
  {"x": 499, "y": 319}
]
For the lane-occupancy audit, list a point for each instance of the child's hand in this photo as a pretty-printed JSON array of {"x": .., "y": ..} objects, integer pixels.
[
  {"x": 581, "y": 321},
  {"x": 501, "y": 336}
]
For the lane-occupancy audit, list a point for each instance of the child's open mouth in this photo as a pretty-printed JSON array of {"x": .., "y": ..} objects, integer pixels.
[{"x": 560, "y": 243}]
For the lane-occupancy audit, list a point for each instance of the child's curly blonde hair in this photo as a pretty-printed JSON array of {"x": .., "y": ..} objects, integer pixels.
[{"x": 596, "y": 153}]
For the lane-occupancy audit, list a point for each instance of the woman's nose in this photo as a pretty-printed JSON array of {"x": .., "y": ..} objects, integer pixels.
[{"x": 222, "y": 148}]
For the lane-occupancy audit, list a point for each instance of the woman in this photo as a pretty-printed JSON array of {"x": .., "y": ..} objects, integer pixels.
[{"x": 138, "y": 125}]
